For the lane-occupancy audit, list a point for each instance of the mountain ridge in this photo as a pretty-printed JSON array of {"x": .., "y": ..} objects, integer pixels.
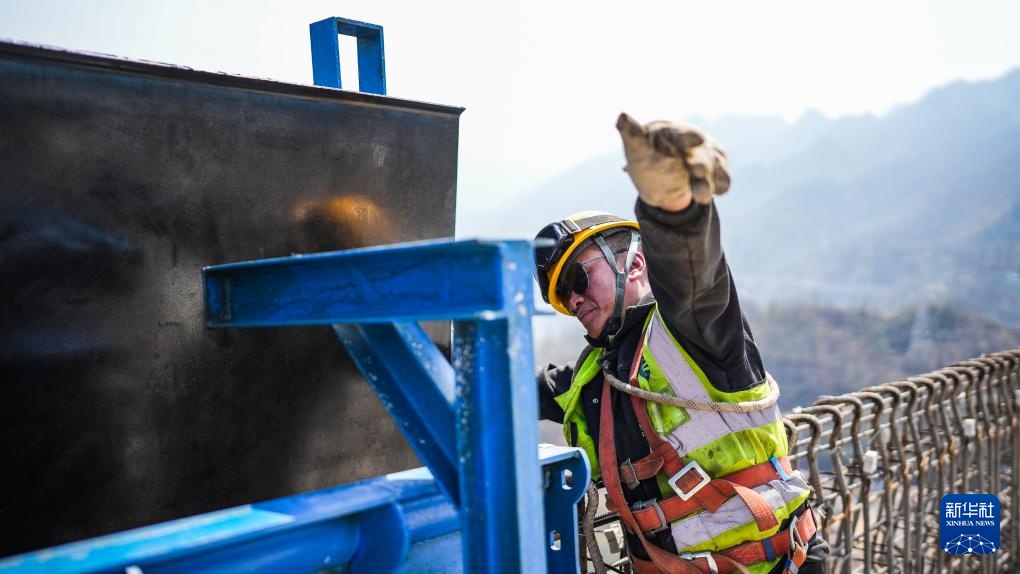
[{"x": 884, "y": 211}]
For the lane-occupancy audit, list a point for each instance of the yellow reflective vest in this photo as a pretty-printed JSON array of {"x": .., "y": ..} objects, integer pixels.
[{"x": 720, "y": 442}]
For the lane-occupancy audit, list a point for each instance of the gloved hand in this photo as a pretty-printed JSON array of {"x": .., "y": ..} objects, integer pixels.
[{"x": 669, "y": 161}]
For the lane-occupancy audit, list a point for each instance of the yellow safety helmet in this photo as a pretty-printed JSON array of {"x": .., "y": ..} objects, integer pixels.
[{"x": 556, "y": 242}]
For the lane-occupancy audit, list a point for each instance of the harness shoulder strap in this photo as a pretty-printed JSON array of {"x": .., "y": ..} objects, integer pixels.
[
  {"x": 710, "y": 496},
  {"x": 666, "y": 562}
]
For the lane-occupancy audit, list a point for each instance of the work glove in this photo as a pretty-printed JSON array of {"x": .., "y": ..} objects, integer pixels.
[{"x": 667, "y": 161}]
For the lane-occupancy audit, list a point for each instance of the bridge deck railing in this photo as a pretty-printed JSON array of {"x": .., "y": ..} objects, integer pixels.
[{"x": 880, "y": 460}]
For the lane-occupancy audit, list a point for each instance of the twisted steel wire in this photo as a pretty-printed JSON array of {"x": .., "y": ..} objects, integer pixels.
[{"x": 880, "y": 460}]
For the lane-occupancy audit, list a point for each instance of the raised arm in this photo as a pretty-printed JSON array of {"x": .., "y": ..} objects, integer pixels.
[{"x": 677, "y": 170}]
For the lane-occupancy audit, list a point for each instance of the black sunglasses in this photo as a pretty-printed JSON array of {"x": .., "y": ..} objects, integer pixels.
[{"x": 575, "y": 279}]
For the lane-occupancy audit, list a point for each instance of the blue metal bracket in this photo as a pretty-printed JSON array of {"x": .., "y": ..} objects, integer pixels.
[
  {"x": 399, "y": 283},
  {"x": 565, "y": 477},
  {"x": 326, "y": 53},
  {"x": 416, "y": 383},
  {"x": 474, "y": 422}
]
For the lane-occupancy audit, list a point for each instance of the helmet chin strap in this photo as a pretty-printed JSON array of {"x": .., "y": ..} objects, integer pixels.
[{"x": 613, "y": 324}]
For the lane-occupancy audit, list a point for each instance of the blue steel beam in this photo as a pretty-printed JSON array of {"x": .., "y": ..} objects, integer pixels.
[
  {"x": 326, "y": 54},
  {"x": 486, "y": 287},
  {"x": 501, "y": 490},
  {"x": 415, "y": 383},
  {"x": 410, "y": 282},
  {"x": 397, "y": 523},
  {"x": 368, "y": 526}
]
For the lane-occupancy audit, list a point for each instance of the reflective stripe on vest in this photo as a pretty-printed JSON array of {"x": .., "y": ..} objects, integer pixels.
[
  {"x": 701, "y": 427},
  {"x": 696, "y": 531},
  {"x": 721, "y": 442}
]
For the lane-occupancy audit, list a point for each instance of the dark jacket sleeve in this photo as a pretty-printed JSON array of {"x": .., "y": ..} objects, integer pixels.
[
  {"x": 694, "y": 289},
  {"x": 552, "y": 381}
]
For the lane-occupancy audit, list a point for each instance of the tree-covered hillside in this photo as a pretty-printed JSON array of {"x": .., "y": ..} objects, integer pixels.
[{"x": 813, "y": 350}]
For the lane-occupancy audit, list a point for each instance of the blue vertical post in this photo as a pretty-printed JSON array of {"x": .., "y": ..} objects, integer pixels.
[
  {"x": 566, "y": 474},
  {"x": 326, "y": 53},
  {"x": 500, "y": 481}
]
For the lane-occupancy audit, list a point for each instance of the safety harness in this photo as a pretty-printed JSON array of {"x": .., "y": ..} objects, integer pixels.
[{"x": 695, "y": 491}]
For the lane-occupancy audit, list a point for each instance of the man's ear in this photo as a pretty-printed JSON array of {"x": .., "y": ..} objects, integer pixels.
[{"x": 637, "y": 267}]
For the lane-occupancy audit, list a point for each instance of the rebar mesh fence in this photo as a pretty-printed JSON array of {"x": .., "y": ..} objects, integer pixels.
[{"x": 880, "y": 459}]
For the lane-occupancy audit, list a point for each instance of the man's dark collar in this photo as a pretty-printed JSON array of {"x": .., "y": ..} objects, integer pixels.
[{"x": 633, "y": 316}]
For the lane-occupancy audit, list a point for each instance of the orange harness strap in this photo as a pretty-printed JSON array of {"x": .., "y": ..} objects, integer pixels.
[
  {"x": 710, "y": 496},
  {"x": 674, "y": 507},
  {"x": 666, "y": 562},
  {"x": 779, "y": 544}
]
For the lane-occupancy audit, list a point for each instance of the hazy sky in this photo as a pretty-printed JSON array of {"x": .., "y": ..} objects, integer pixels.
[{"x": 543, "y": 81}]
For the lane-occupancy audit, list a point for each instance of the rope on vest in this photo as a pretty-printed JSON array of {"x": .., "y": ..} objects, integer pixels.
[
  {"x": 664, "y": 561},
  {"x": 588, "y": 530},
  {"x": 745, "y": 407}
]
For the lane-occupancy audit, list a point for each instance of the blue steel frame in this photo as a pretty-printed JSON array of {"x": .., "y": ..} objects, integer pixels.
[
  {"x": 477, "y": 433},
  {"x": 474, "y": 423},
  {"x": 326, "y": 53},
  {"x": 396, "y": 523}
]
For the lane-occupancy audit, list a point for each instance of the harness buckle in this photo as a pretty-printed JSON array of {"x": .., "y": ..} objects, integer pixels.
[
  {"x": 687, "y": 494},
  {"x": 695, "y": 555},
  {"x": 631, "y": 484},
  {"x": 798, "y": 549},
  {"x": 713, "y": 567},
  {"x": 780, "y": 471},
  {"x": 795, "y": 537},
  {"x": 663, "y": 525}
]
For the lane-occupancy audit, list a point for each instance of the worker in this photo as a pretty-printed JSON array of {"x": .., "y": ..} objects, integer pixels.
[{"x": 670, "y": 399}]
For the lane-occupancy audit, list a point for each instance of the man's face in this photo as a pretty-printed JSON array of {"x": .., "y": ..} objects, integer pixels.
[{"x": 595, "y": 306}]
